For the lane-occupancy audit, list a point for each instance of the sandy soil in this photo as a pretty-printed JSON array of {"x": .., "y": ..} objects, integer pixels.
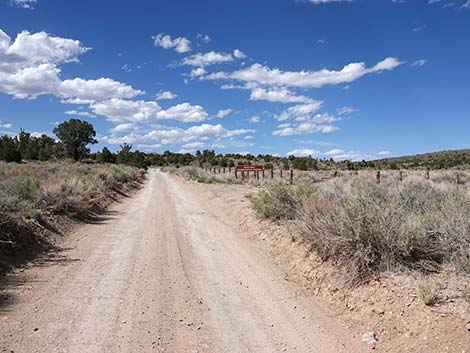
[
  {"x": 166, "y": 270},
  {"x": 390, "y": 306}
]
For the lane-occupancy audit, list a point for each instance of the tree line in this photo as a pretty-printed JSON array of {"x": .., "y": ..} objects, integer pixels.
[{"x": 74, "y": 136}]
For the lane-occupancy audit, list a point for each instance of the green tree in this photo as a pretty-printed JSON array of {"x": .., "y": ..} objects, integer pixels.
[
  {"x": 9, "y": 151},
  {"x": 75, "y": 136},
  {"x": 106, "y": 156},
  {"x": 124, "y": 155}
]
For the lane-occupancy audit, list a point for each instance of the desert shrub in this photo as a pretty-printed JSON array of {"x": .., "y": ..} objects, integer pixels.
[
  {"x": 281, "y": 201},
  {"x": 369, "y": 228},
  {"x": 431, "y": 293},
  {"x": 26, "y": 188}
]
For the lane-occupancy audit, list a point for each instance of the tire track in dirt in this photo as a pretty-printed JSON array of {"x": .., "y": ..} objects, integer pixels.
[{"x": 162, "y": 274}]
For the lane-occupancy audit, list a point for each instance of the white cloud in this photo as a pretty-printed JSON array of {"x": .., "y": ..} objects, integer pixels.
[
  {"x": 307, "y": 124},
  {"x": 346, "y": 110},
  {"x": 165, "y": 95},
  {"x": 183, "y": 112},
  {"x": 340, "y": 155},
  {"x": 298, "y": 110},
  {"x": 466, "y": 5},
  {"x": 210, "y": 58},
  {"x": 224, "y": 112},
  {"x": 304, "y": 153},
  {"x": 278, "y": 94},
  {"x": 203, "y": 38},
  {"x": 237, "y": 53},
  {"x": 5, "y": 125},
  {"x": 200, "y": 71},
  {"x": 29, "y": 68},
  {"x": 124, "y": 127},
  {"x": 118, "y": 110},
  {"x": 25, "y": 4},
  {"x": 172, "y": 136},
  {"x": 384, "y": 153},
  {"x": 180, "y": 44},
  {"x": 96, "y": 90},
  {"x": 78, "y": 113},
  {"x": 263, "y": 75},
  {"x": 420, "y": 62},
  {"x": 39, "y": 48},
  {"x": 306, "y": 127},
  {"x": 254, "y": 119}
]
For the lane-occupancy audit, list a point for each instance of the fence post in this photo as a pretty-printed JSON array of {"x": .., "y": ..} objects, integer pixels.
[
  {"x": 378, "y": 177},
  {"x": 224, "y": 170},
  {"x": 458, "y": 178},
  {"x": 247, "y": 175},
  {"x": 243, "y": 175},
  {"x": 257, "y": 175},
  {"x": 236, "y": 174},
  {"x": 427, "y": 174},
  {"x": 281, "y": 173},
  {"x": 291, "y": 176},
  {"x": 263, "y": 173},
  {"x": 272, "y": 172},
  {"x": 401, "y": 175},
  {"x": 336, "y": 173}
]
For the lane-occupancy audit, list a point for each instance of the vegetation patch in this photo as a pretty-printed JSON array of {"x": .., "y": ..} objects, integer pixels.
[
  {"x": 370, "y": 228},
  {"x": 33, "y": 195}
]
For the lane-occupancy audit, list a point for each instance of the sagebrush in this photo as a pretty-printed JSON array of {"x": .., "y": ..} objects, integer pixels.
[{"x": 368, "y": 228}]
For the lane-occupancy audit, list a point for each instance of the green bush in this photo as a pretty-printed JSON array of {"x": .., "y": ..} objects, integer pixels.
[{"x": 27, "y": 188}]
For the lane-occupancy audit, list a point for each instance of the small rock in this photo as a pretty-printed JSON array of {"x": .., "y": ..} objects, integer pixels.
[{"x": 369, "y": 337}]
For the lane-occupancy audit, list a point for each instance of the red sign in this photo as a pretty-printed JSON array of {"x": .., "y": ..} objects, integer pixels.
[{"x": 250, "y": 168}]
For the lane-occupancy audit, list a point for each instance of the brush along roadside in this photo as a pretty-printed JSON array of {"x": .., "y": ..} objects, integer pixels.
[{"x": 35, "y": 198}]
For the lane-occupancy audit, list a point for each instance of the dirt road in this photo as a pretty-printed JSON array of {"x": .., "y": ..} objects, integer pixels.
[{"x": 162, "y": 272}]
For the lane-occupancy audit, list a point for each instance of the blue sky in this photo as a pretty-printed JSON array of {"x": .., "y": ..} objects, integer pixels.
[{"x": 343, "y": 79}]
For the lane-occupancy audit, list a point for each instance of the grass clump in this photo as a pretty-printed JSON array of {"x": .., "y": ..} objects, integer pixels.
[
  {"x": 431, "y": 293},
  {"x": 280, "y": 201}
]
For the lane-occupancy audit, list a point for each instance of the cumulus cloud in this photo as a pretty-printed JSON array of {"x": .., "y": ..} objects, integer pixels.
[
  {"x": 264, "y": 75},
  {"x": 184, "y": 112},
  {"x": 384, "y": 153},
  {"x": 119, "y": 110},
  {"x": 29, "y": 68},
  {"x": 162, "y": 95},
  {"x": 96, "y": 90},
  {"x": 340, "y": 155},
  {"x": 237, "y": 53},
  {"x": 320, "y": 123},
  {"x": 200, "y": 71},
  {"x": 174, "y": 135},
  {"x": 222, "y": 113},
  {"x": 278, "y": 94},
  {"x": 5, "y": 125},
  {"x": 206, "y": 59},
  {"x": 304, "y": 153},
  {"x": 298, "y": 110},
  {"x": 180, "y": 44},
  {"x": 124, "y": 127},
  {"x": 80, "y": 113},
  {"x": 25, "y": 4},
  {"x": 254, "y": 119}
]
